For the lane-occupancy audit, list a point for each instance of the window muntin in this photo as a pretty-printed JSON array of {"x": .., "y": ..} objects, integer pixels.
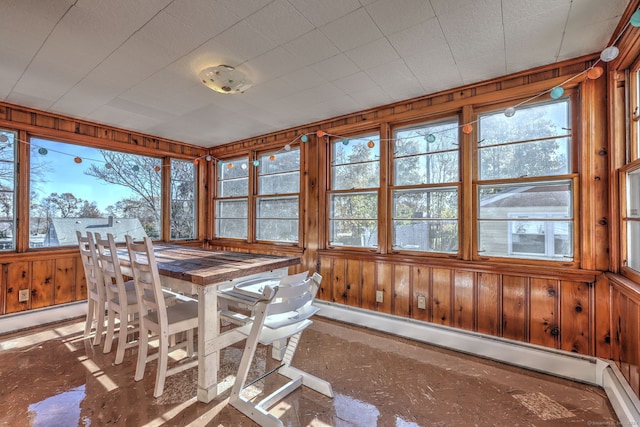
[
  {"x": 424, "y": 204},
  {"x": 76, "y": 188},
  {"x": 232, "y": 202},
  {"x": 353, "y": 194},
  {"x": 519, "y": 217},
  {"x": 277, "y": 203},
  {"x": 8, "y": 143},
  {"x": 183, "y": 200}
]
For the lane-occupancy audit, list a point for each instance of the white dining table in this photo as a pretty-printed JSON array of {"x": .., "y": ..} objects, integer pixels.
[{"x": 203, "y": 272}]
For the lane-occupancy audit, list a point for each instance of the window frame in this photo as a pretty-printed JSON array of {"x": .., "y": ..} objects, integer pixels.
[
  {"x": 256, "y": 194},
  {"x": 379, "y": 191},
  {"x": 14, "y": 190},
  {"x": 572, "y": 175},
  {"x": 194, "y": 201},
  {"x": 432, "y": 121}
]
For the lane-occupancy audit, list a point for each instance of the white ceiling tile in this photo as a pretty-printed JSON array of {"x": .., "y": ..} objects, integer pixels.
[
  {"x": 336, "y": 67},
  {"x": 392, "y": 16},
  {"x": 373, "y": 54},
  {"x": 516, "y": 10},
  {"x": 521, "y": 47},
  {"x": 352, "y": 30},
  {"x": 311, "y": 47},
  {"x": 435, "y": 73},
  {"x": 273, "y": 64},
  {"x": 472, "y": 71},
  {"x": 483, "y": 21},
  {"x": 573, "y": 43},
  {"x": 240, "y": 42},
  {"x": 396, "y": 79},
  {"x": 356, "y": 82},
  {"x": 371, "y": 98},
  {"x": 422, "y": 39},
  {"x": 280, "y": 22},
  {"x": 203, "y": 17},
  {"x": 243, "y": 8},
  {"x": 322, "y": 12}
]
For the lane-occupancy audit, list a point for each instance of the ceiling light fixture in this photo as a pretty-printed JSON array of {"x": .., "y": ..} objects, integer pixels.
[{"x": 225, "y": 79}]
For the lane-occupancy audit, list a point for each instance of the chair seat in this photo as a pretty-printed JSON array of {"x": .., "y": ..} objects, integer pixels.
[
  {"x": 181, "y": 312},
  {"x": 269, "y": 336}
]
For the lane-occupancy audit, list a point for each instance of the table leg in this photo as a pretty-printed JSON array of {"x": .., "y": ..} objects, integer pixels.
[{"x": 208, "y": 356}]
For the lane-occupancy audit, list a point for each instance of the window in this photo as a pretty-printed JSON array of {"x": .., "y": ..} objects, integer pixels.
[
  {"x": 631, "y": 219},
  {"x": 424, "y": 202},
  {"x": 87, "y": 189},
  {"x": 353, "y": 192},
  {"x": 232, "y": 202},
  {"x": 277, "y": 203},
  {"x": 7, "y": 190},
  {"x": 525, "y": 188},
  {"x": 183, "y": 200}
]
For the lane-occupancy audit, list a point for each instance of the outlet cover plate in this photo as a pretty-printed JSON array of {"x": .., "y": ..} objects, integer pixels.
[
  {"x": 379, "y": 296},
  {"x": 23, "y": 295}
]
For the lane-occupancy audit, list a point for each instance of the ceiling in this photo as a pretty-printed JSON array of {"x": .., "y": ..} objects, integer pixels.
[{"x": 135, "y": 64}]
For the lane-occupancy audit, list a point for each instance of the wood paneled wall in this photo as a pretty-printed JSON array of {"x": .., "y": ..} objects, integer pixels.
[
  {"x": 625, "y": 318},
  {"x": 556, "y": 309}
]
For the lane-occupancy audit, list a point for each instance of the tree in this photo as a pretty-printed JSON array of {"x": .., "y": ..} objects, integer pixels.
[{"x": 66, "y": 204}]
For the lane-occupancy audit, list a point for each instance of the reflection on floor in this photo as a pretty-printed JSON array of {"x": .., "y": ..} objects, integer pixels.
[{"x": 54, "y": 377}]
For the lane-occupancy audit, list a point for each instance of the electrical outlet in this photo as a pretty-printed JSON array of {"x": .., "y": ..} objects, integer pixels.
[
  {"x": 422, "y": 302},
  {"x": 379, "y": 296},
  {"x": 23, "y": 295}
]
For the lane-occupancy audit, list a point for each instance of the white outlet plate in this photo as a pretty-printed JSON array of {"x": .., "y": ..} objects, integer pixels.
[
  {"x": 379, "y": 296},
  {"x": 422, "y": 302},
  {"x": 23, "y": 295}
]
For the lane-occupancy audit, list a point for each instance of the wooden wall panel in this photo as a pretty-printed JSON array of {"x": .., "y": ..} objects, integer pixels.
[
  {"x": 574, "y": 324},
  {"x": 421, "y": 282},
  {"x": 402, "y": 291},
  {"x": 3, "y": 288},
  {"x": 42, "y": 283},
  {"x": 489, "y": 302},
  {"x": 338, "y": 285},
  {"x": 464, "y": 307},
  {"x": 326, "y": 287},
  {"x": 368, "y": 289},
  {"x": 65, "y": 280},
  {"x": 442, "y": 285},
  {"x": 384, "y": 284},
  {"x": 513, "y": 307},
  {"x": 544, "y": 327},
  {"x": 352, "y": 285},
  {"x": 18, "y": 277},
  {"x": 81, "y": 281},
  {"x": 633, "y": 341},
  {"x": 602, "y": 314}
]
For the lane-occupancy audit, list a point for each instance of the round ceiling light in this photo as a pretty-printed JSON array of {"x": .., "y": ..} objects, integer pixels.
[{"x": 225, "y": 79}]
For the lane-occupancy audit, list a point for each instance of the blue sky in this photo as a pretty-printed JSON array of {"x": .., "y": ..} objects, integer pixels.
[{"x": 65, "y": 176}]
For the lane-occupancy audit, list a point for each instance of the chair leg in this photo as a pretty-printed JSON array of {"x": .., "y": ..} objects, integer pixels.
[
  {"x": 90, "y": 313},
  {"x": 122, "y": 338},
  {"x": 99, "y": 308},
  {"x": 108, "y": 342},
  {"x": 163, "y": 358},
  {"x": 143, "y": 348}
]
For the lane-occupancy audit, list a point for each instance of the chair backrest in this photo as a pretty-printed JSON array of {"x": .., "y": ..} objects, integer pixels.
[
  {"x": 147, "y": 279},
  {"x": 110, "y": 265},
  {"x": 291, "y": 303},
  {"x": 91, "y": 265}
]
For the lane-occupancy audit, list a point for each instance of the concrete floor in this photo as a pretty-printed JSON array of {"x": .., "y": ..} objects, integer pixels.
[{"x": 53, "y": 376}]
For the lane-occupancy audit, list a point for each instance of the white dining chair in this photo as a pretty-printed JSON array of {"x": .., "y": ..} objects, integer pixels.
[
  {"x": 121, "y": 298},
  {"x": 157, "y": 319},
  {"x": 96, "y": 297},
  {"x": 279, "y": 312}
]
